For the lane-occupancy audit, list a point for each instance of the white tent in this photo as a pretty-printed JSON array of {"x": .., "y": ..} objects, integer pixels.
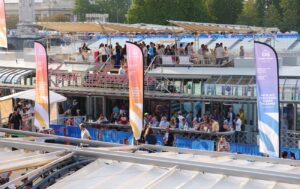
[
  {"x": 6, "y": 105},
  {"x": 30, "y": 95}
]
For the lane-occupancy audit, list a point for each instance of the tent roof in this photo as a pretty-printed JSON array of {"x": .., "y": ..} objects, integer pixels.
[
  {"x": 98, "y": 27},
  {"x": 30, "y": 95},
  {"x": 197, "y": 27},
  {"x": 117, "y": 174},
  {"x": 20, "y": 159},
  {"x": 76, "y": 27}
]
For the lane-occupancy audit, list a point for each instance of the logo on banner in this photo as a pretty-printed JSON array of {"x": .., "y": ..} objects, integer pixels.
[{"x": 265, "y": 54}]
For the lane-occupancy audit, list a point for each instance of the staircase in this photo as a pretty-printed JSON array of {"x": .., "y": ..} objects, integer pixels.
[
  {"x": 294, "y": 44},
  {"x": 235, "y": 44},
  {"x": 210, "y": 42}
]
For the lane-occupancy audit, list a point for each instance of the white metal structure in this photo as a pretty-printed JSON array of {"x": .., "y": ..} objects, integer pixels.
[{"x": 119, "y": 167}]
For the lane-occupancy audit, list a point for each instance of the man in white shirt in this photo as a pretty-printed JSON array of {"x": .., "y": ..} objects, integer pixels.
[
  {"x": 238, "y": 123},
  {"x": 164, "y": 123},
  {"x": 85, "y": 134},
  {"x": 181, "y": 119},
  {"x": 190, "y": 48},
  {"x": 238, "y": 128},
  {"x": 219, "y": 54}
]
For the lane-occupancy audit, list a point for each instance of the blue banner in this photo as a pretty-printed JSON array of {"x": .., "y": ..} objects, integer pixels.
[{"x": 267, "y": 98}]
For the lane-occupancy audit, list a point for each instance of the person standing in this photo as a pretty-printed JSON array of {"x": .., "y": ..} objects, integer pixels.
[
  {"x": 242, "y": 117},
  {"x": 14, "y": 120},
  {"x": 189, "y": 119},
  {"x": 118, "y": 55},
  {"x": 238, "y": 128},
  {"x": 103, "y": 52},
  {"x": 230, "y": 118},
  {"x": 85, "y": 134},
  {"x": 75, "y": 107},
  {"x": 242, "y": 52},
  {"x": 168, "y": 138},
  {"x": 219, "y": 54}
]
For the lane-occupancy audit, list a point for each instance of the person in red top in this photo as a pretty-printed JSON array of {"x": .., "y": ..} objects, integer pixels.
[{"x": 123, "y": 119}]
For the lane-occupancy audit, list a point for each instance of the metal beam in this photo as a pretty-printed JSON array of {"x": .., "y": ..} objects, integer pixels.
[
  {"x": 254, "y": 173},
  {"x": 220, "y": 154},
  {"x": 152, "y": 147},
  {"x": 38, "y": 170},
  {"x": 63, "y": 138}
]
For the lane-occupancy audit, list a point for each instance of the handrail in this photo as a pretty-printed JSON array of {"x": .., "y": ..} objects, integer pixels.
[{"x": 151, "y": 64}]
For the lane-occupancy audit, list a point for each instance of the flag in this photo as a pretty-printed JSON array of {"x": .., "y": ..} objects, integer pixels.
[
  {"x": 136, "y": 87},
  {"x": 41, "y": 108},
  {"x": 3, "y": 30},
  {"x": 267, "y": 98}
]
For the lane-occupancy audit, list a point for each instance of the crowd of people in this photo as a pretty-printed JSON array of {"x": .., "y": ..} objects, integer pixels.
[
  {"x": 207, "y": 122},
  {"x": 153, "y": 53},
  {"x": 22, "y": 116}
]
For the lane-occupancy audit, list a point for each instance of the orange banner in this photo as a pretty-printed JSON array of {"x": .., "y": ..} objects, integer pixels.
[
  {"x": 136, "y": 88},
  {"x": 41, "y": 108},
  {"x": 3, "y": 37}
]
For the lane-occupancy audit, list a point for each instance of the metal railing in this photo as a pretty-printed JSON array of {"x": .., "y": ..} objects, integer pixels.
[{"x": 150, "y": 67}]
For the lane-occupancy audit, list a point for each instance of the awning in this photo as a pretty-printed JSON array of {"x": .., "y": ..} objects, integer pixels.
[
  {"x": 13, "y": 75},
  {"x": 20, "y": 159},
  {"x": 69, "y": 27},
  {"x": 105, "y": 27},
  {"x": 197, "y": 27},
  {"x": 30, "y": 95},
  {"x": 119, "y": 174}
]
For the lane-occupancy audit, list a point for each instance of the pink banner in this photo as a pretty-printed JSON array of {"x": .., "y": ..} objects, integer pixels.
[
  {"x": 41, "y": 88},
  {"x": 136, "y": 88},
  {"x": 3, "y": 37}
]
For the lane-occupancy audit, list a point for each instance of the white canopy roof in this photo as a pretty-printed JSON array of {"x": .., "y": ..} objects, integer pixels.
[
  {"x": 30, "y": 95},
  {"x": 117, "y": 174}
]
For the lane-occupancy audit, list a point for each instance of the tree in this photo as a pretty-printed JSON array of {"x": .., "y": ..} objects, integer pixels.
[
  {"x": 249, "y": 15},
  {"x": 116, "y": 9},
  {"x": 159, "y": 11},
  {"x": 83, "y": 7},
  {"x": 290, "y": 15},
  {"x": 272, "y": 16},
  {"x": 225, "y": 11}
]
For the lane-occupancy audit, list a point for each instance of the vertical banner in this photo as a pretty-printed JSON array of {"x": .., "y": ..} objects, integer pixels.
[
  {"x": 3, "y": 37},
  {"x": 267, "y": 99},
  {"x": 136, "y": 87},
  {"x": 41, "y": 108}
]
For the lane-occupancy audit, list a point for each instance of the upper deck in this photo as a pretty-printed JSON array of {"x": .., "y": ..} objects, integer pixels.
[{"x": 234, "y": 79}]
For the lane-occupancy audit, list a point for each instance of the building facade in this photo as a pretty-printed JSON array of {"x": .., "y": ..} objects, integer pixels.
[{"x": 43, "y": 8}]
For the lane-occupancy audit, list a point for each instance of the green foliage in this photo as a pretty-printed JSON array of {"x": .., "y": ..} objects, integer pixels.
[
  {"x": 272, "y": 17},
  {"x": 116, "y": 9},
  {"x": 225, "y": 11},
  {"x": 81, "y": 7},
  {"x": 291, "y": 15},
  {"x": 272, "y": 13},
  {"x": 159, "y": 11},
  {"x": 249, "y": 15}
]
